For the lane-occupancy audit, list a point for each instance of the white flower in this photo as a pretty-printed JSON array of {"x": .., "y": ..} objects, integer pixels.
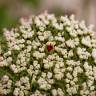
[
  {"x": 37, "y": 93},
  {"x": 26, "y": 21},
  {"x": 69, "y": 68},
  {"x": 60, "y": 92},
  {"x": 82, "y": 53},
  {"x": 5, "y": 78},
  {"x": 73, "y": 33},
  {"x": 92, "y": 87},
  {"x": 69, "y": 76},
  {"x": 38, "y": 55},
  {"x": 94, "y": 53},
  {"x": 70, "y": 53},
  {"x": 5, "y": 85},
  {"x": 86, "y": 41},
  {"x": 82, "y": 24},
  {"x": 21, "y": 93},
  {"x": 59, "y": 76},
  {"x": 59, "y": 38},
  {"x": 1, "y": 59},
  {"x": 9, "y": 59},
  {"x": 58, "y": 26},
  {"x": 80, "y": 32},
  {"x": 67, "y": 80},
  {"x": 38, "y": 22},
  {"x": 54, "y": 92},
  {"x": 46, "y": 66},
  {"x": 49, "y": 75},
  {"x": 16, "y": 91},
  {"x": 74, "y": 90},
  {"x": 16, "y": 47},
  {"x": 72, "y": 42},
  {"x": 43, "y": 84},
  {"x": 14, "y": 68}
]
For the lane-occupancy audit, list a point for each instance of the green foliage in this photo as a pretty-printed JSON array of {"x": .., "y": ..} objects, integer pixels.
[
  {"x": 33, "y": 3},
  {"x": 5, "y": 19}
]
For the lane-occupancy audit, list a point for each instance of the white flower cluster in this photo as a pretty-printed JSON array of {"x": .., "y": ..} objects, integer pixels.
[
  {"x": 48, "y": 56},
  {"x": 5, "y": 85},
  {"x": 82, "y": 53},
  {"x": 72, "y": 76},
  {"x": 22, "y": 87},
  {"x": 72, "y": 43}
]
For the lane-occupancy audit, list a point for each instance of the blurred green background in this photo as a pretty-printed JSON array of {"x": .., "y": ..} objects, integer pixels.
[{"x": 7, "y": 19}]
